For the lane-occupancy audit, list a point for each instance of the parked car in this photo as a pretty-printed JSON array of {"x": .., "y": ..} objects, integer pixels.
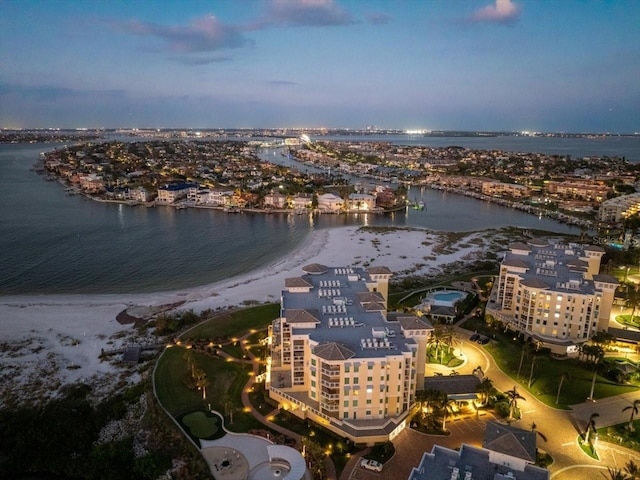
[
  {"x": 371, "y": 465},
  {"x": 483, "y": 340},
  {"x": 474, "y": 337}
]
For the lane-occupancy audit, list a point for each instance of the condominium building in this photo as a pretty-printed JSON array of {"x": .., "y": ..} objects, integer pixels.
[
  {"x": 471, "y": 463},
  {"x": 553, "y": 293},
  {"x": 340, "y": 359},
  {"x": 619, "y": 208}
]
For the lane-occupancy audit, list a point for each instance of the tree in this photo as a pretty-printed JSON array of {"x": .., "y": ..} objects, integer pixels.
[
  {"x": 632, "y": 469},
  {"x": 445, "y": 406},
  {"x": 485, "y": 388},
  {"x": 533, "y": 363},
  {"x": 526, "y": 349},
  {"x": 513, "y": 397},
  {"x": 634, "y": 411},
  {"x": 615, "y": 474},
  {"x": 563, "y": 376},
  {"x": 591, "y": 427},
  {"x": 633, "y": 299},
  {"x": 202, "y": 382},
  {"x": 534, "y": 428}
]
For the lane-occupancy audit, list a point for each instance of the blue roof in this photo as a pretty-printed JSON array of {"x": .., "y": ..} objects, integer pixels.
[{"x": 178, "y": 186}]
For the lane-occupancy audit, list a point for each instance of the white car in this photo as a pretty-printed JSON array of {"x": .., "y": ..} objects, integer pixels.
[{"x": 371, "y": 465}]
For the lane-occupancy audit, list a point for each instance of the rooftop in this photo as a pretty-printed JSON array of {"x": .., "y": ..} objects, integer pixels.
[
  {"x": 470, "y": 463},
  {"x": 343, "y": 318}
]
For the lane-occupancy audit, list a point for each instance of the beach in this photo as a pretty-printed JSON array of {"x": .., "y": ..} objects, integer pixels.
[{"x": 52, "y": 340}]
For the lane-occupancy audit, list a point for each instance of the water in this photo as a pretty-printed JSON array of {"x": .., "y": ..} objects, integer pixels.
[
  {"x": 54, "y": 243},
  {"x": 628, "y": 147}
]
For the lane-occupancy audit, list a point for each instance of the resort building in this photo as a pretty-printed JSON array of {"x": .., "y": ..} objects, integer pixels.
[
  {"x": 472, "y": 463},
  {"x": 552, "y": 292},
  {"x": 510, "y": 446},
  {"x": 340, "y": 359},
  {"x": 617, "y": 209}
]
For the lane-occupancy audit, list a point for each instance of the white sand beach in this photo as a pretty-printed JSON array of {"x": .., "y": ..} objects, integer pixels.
[{"x": 48, "y": 341}]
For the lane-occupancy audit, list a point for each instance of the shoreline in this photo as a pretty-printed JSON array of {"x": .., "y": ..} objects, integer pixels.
[{"x": 52, "y": 340}]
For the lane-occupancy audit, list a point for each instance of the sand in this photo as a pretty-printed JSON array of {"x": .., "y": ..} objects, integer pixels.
[{"x": 51, "y": 340}]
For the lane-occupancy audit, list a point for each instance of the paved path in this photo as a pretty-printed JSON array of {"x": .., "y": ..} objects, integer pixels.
[{"x": 561, "y": 427}]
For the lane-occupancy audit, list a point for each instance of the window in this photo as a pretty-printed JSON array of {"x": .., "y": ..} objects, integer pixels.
[
  {"x": 355, "y": 403},
  {"x": 368, "y": 401},
  {"x": 313, "y": 383},
  {"x": 369, "y": 379},
  {"x": 346, "y": 381}
]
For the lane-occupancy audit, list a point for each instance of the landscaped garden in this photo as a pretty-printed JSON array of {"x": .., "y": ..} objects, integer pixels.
[
  {"x": 628, "y": 320},
  {"x": 558, "y": 382}
]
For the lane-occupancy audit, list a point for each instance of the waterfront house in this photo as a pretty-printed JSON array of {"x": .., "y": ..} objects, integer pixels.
[
  {"x": 330, "y": 203},
  {"x": 361, "y": 202},
  {"x": 302, "y": 201},
  {"x": 173, "y": 192},
  {"x": 275, "y": 200}
]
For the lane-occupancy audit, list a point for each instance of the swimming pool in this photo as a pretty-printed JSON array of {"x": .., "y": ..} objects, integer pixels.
[{"x": 446, "y": 298}]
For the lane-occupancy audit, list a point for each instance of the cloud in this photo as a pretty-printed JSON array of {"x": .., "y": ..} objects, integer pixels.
[
  {"x": 503, "y": 11},
  {"x": 195, "y": 61},
  {"x": 281, "y": 83},
  {"x": 378, "y": 18},
  {"x": 50, "y": 93},
  {"x": 310, "y": 13},
  {"x": 206, "y": 34}
]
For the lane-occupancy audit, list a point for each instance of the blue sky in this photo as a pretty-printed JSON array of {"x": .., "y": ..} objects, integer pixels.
[{"x": 542, "y": 65}]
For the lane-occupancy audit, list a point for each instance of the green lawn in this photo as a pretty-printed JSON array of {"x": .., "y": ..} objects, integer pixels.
[
  {"x": 201, "y": 425},
  {"x": 223, "y": 393},
  {"x": 442, "y": 357},
  {"x": 547, "y": 370},
  {"x": 626, "y": 320},
  {"x": 235, "y": 324},
  {"x": 620, "y": 435}
]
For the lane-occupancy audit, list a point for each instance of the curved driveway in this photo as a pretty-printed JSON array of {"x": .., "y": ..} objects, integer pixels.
[{"x": 561, "y": 427}]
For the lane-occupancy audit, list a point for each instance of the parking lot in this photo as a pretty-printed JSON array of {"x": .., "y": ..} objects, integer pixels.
[{"x": 410, "y": 445}]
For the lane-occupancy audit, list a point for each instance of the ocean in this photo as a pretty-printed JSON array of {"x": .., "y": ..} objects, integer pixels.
[{"x": 52, "y": 243}]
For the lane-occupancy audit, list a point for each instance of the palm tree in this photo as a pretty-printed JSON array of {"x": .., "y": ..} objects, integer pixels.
[
  {"x": 632, "y": 469},
  {"x": 540, "y": 434},
  {"x": 633, "y": 299},
  {"x": 591, "y": 427},
  {"x": 445, "y": 405},
  {"x": 533, "y": 363},
  {"x": 513, "y": 397},
  {"x": 485, "y": 387},
  {"x": 564, "y": 376},
  {"x": 202, "y": 382},
  {"x": 615, "y": 474},
  {"x": 528, "y": 348},
  {"x": 634, "y": 411}
]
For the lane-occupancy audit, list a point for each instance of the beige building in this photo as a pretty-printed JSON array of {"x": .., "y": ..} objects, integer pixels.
[
  {"x": 553, "y": 293},
  {"x": 619, "y": 208},
  {"x": 338, "y": 358},
  {"x": 495, "y": 188}
]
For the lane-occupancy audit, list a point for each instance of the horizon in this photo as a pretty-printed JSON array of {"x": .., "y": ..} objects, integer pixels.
[{"x": 467, "y": 65}]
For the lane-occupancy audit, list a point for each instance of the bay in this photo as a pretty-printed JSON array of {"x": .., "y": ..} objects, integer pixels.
[{"x": 52, "y": 243}]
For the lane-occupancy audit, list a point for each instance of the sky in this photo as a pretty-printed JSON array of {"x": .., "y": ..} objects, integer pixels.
[{"x": 489, "y": 65}]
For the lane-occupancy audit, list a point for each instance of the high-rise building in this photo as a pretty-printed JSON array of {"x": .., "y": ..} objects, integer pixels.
[
  {"x": 340, "y": 359},
  {"x": 553, "y": 293}
]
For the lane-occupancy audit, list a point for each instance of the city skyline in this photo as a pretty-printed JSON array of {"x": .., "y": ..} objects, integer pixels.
[{"x": 462, "y": 65}]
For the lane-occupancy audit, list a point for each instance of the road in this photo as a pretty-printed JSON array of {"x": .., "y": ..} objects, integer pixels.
[{"x": 561, "y": 428}]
